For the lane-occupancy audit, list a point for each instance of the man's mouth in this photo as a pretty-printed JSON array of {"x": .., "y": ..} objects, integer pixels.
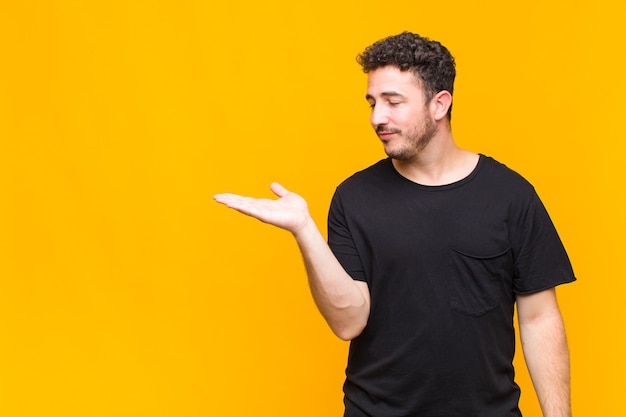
[{"x": 385, "y": 134}]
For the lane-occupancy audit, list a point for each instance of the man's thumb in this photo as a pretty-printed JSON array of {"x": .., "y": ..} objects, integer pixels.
[{"x": 278, "y": 189}]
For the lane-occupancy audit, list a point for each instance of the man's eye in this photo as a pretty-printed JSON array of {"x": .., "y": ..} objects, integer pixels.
[
  {"x": 394, "y": 103},
  {"x": 372, "y": 105}
]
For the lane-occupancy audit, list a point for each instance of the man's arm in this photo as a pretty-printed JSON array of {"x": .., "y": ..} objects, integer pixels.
[
  {"x": 343, "y": 302},
  {"x": 545, "y": 350}
]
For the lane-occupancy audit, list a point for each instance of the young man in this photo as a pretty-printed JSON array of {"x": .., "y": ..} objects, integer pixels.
[{"x": 428, "y": 251}]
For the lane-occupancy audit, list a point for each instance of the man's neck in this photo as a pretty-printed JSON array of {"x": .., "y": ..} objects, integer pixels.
[{"x": 438, "y": 165}]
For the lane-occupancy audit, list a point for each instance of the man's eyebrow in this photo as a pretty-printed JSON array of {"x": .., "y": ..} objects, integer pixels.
[{"x": 385, "y": 94}]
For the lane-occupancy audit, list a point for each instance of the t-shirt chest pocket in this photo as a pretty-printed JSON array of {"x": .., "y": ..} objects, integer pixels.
[{"x": 476, "y": 282}]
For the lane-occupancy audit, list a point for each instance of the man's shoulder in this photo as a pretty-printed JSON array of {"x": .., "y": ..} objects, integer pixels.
[
  {"x": 377, "y": 171},
  {"x": 500, "y": 174}
]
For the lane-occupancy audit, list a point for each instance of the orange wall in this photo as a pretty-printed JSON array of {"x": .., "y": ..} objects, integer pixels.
[{"x": 126, "y": 291}]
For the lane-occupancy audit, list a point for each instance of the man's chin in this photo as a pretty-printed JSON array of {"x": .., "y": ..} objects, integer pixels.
[{"x": 398, "y": 154}]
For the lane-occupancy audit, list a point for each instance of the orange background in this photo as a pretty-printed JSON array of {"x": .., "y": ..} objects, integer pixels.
[{"x": 126, "y": 291}]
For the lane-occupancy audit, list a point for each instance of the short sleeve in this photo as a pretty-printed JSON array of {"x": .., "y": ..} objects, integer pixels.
[
  {"x": 341, "y": 241},
  {"x": 541, "y": 261}
]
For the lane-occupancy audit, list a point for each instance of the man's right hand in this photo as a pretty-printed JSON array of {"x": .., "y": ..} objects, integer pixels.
[{"x": 289, "y": 211}]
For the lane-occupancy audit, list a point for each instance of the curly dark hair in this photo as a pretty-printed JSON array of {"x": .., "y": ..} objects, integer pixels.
[{"x": 430, "y": 61}]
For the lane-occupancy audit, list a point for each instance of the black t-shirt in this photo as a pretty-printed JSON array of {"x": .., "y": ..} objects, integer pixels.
[{"x": 443, "y": 265}]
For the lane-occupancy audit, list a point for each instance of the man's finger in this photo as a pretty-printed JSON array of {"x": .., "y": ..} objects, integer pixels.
[{"x": 278, "y": 189}]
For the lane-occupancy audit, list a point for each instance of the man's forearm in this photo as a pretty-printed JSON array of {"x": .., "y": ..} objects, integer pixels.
[
  {"x": 547, "y": 357},
  {"x": 343, "y": 302}
]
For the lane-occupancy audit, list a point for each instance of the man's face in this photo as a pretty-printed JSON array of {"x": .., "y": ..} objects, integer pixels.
[{"x": 400, "y": 116}]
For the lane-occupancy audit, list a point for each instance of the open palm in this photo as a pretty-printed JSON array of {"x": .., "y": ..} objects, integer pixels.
[{"x": 289, "y": 211}]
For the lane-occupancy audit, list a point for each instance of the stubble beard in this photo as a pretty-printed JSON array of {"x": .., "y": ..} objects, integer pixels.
[{"x": 416, "y": 141}]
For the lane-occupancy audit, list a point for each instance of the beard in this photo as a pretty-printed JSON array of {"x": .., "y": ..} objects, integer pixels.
[{"x": 415, "y": 141}]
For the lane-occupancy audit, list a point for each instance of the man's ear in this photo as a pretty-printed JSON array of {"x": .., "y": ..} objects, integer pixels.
[{"x": 441, "y": 102}]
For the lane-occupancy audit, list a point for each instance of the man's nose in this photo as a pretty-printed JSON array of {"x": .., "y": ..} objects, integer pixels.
[{"x": 379, "y": 116}]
